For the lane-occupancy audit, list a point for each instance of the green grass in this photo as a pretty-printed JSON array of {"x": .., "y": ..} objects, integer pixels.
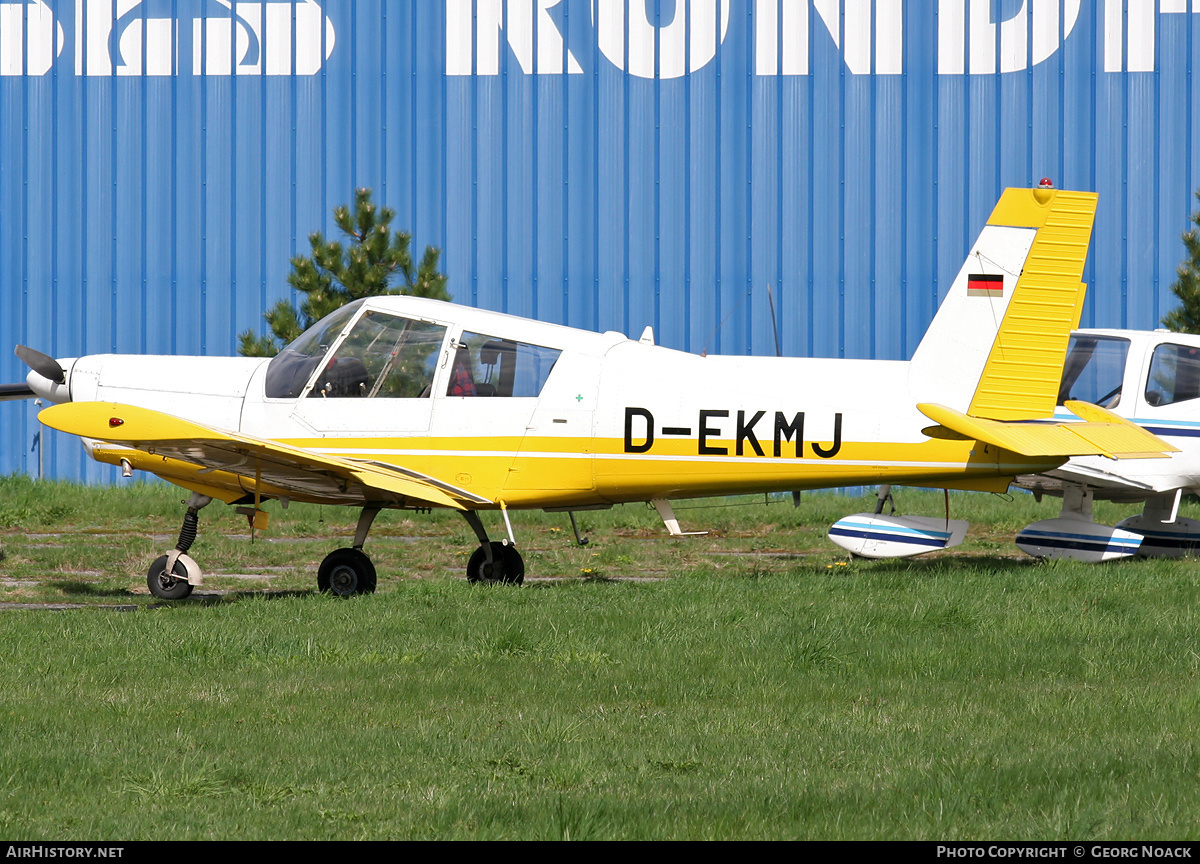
[{"x": 751, "y": 684}]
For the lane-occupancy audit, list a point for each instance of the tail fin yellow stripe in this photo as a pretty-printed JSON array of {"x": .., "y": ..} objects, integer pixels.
[{"x": 1021, "y": 377}]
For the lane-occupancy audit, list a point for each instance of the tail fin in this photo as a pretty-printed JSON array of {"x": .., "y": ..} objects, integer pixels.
[
  {"x": 996, "y": 347},
  {"x": 1007, "y": 352}
]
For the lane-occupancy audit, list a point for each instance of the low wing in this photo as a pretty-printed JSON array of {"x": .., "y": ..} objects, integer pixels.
[
  {"x": 1088, "y": 475},
  {"x": 1130, "y": 486},
  {"x": 1102, "y": 433},
  {"x": 264, "y": 463},
  {"x": 1105, "y": 484}
]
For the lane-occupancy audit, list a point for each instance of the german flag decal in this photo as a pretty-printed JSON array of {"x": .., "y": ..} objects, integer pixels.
[{"x": 985, "y": 285}]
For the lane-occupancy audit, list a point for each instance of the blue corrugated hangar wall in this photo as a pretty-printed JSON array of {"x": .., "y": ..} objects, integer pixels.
[{"x": 601, "y": 163}]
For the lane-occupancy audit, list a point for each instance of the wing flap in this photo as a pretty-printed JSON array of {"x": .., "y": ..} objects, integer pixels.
[
  {"x": 1101, "y": 434},
  {"x": 269, "y": 463}
]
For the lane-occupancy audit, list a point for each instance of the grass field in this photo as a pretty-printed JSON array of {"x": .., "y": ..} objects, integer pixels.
[{"x": 748, "y": 684}]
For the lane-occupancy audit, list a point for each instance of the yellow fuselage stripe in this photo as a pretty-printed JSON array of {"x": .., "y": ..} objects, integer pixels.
[{"x": 579, "y": 471}]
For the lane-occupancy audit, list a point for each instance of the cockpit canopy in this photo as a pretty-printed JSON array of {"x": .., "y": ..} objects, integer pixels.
[{"x": 371, "y": 353}]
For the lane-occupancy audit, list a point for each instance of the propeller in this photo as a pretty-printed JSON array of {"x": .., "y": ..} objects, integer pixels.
[
  {"x": 10, "y": 392},
  {"x": 43, "y": 364}
]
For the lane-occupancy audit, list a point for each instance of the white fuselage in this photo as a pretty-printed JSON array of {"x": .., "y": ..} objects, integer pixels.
[{"x": 614, "y": 420}]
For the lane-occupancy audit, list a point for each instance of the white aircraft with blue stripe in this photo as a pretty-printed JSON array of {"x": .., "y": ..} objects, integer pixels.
[
  {"x": 1153, "y": 379},
  {"x": 1149, "y": 377}
]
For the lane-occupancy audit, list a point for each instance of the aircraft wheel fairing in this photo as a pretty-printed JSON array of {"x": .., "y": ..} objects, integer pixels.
[
  {"x": 507, "y": 565},
  {"x": 346, "y": 572},
  {"x": 1164, "y": 539},
  {"x": 168, "y": 586},
  {"x": 1076, "y": 539},
  {"x": 867, "y": 535}
]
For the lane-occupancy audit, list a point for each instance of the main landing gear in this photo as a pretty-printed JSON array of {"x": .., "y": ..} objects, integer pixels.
[
  {"x": 346, "y": 572},
  {"x": 495, "y": 561}
]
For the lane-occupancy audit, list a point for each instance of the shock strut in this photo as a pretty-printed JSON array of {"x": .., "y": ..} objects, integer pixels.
[
  {"x": 191, "y": 522},
  {"x": 187, "y": 534}
]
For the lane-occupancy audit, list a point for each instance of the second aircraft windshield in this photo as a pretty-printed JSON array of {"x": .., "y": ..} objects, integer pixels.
[{"x": 1094, "y": 370}]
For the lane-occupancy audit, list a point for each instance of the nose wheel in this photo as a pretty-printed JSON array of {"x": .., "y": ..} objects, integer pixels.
[{"x": 168, "y": 586}]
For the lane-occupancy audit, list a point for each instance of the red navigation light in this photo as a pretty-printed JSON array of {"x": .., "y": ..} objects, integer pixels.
[{"x": 114, "y": 422}]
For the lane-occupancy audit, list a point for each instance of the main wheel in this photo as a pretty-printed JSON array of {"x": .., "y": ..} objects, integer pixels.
[
  {"x": 346, "y": 572},
  {"x": 507, "y": 565},
  {"x": 168, "y": 586}
]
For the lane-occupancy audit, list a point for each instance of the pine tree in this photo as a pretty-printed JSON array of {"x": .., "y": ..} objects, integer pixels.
[
  {"x": 333, "y": 275},
  {"x": 1186, "y": 319}
]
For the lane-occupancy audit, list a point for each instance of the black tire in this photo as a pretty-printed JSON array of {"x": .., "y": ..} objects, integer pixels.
[
  {"x": 507, "y": 567},
  {"x": 168, "y": 586},
  {"x": 346, "y": 572}
]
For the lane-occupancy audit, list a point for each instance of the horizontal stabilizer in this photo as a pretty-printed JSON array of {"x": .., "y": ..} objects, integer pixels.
[
  {"x": 269, "y": 463},
  {"x": 1101, "y": 434}
]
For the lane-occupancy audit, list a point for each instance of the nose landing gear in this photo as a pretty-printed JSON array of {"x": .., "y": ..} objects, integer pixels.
[{"x": 172, "y": 576}]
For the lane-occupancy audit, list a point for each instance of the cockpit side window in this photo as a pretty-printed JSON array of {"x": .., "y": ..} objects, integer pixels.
[
  {"x": 1174, "y": 374},
  {"x": 493, "y": 366},
  {"x": 384, "y": 356},
  {"x": 1094, "y": 370}
]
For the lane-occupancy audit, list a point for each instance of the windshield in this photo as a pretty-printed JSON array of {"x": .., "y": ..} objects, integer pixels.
[
  {"x": 384, "y": 356},
  {"x": 1094, "y": 370},
  {"x": 293, "y": 366}
]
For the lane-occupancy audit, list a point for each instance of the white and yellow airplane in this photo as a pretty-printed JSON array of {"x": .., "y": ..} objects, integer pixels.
[{"x": 405, "y": 403}]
